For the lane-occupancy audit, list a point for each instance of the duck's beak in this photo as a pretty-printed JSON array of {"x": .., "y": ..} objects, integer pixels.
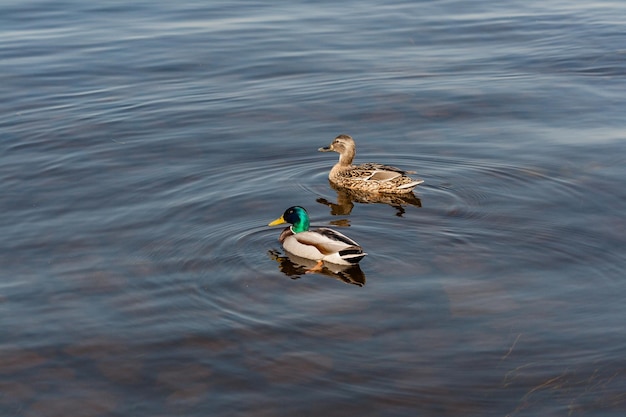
[
  {"x": 328, "y": 148},
  {"x": 278, "y": 221}
]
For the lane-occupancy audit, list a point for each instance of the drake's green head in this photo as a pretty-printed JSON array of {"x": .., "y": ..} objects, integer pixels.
[{"x": 295, "y": 215}]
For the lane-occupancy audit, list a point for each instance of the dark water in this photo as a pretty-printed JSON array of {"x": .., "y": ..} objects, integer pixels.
[{"x": 146, "y": 145}]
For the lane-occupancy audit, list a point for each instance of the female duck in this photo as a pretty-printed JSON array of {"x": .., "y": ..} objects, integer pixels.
[
  {"x": 370, "y": 177},
  {"x": 321, "y": 244}
]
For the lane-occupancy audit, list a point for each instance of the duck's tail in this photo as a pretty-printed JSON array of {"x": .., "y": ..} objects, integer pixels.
[
  {"x": 352, "y": 255},
  {"x": 410, "y": 185}
]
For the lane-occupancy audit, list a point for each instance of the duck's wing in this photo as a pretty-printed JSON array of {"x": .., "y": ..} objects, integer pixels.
[
  {"x": 326, "y": 240},
  {"x": 379, "y": 172},
  {"x": 373, "y": 166},
  {"x": 369, "y": 173},
  {"x": 382, "y": 176}
]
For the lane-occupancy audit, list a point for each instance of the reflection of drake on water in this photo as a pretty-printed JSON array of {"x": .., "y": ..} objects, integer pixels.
[
  {"x": 347, "y": 197},
  {"x": 295, "y": 266}
]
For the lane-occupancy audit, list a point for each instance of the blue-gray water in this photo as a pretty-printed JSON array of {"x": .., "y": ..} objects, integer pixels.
[{"x": 146, "y": 145}]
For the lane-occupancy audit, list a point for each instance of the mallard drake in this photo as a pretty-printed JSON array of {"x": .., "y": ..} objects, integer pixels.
[
  {"x": 369, "y": 177},
  {"x": 321, "y": 244}
]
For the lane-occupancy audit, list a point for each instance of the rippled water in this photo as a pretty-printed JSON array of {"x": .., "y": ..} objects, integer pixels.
[{"x": 146, "y": 145}]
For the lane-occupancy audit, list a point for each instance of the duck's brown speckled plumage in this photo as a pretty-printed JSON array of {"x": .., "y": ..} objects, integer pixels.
[{"x": 369, "y": 177}]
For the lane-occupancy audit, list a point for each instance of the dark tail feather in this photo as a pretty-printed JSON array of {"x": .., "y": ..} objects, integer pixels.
[{"x": 352, "y": 255}]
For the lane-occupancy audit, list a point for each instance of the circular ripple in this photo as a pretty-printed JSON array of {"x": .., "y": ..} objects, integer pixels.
[{"x": 467, "y": 203}]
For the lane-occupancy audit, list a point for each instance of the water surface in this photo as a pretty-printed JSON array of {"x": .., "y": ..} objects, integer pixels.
[{"x": 146, "y": 146}]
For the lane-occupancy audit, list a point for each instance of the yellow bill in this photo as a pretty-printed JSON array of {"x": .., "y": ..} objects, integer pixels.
[{"x": 278, "y": 221}]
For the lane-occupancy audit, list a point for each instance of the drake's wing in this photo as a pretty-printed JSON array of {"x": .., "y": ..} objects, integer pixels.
[{"x": 326, "y": 240}]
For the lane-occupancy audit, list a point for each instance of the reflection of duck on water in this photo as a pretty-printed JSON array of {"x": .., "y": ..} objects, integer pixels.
[
  {"x": 295, "y": 266},
  {"x": 370, "y": 177},
  {"x": 321, "y": 244},
  {"x": 346, "y": 199}
]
